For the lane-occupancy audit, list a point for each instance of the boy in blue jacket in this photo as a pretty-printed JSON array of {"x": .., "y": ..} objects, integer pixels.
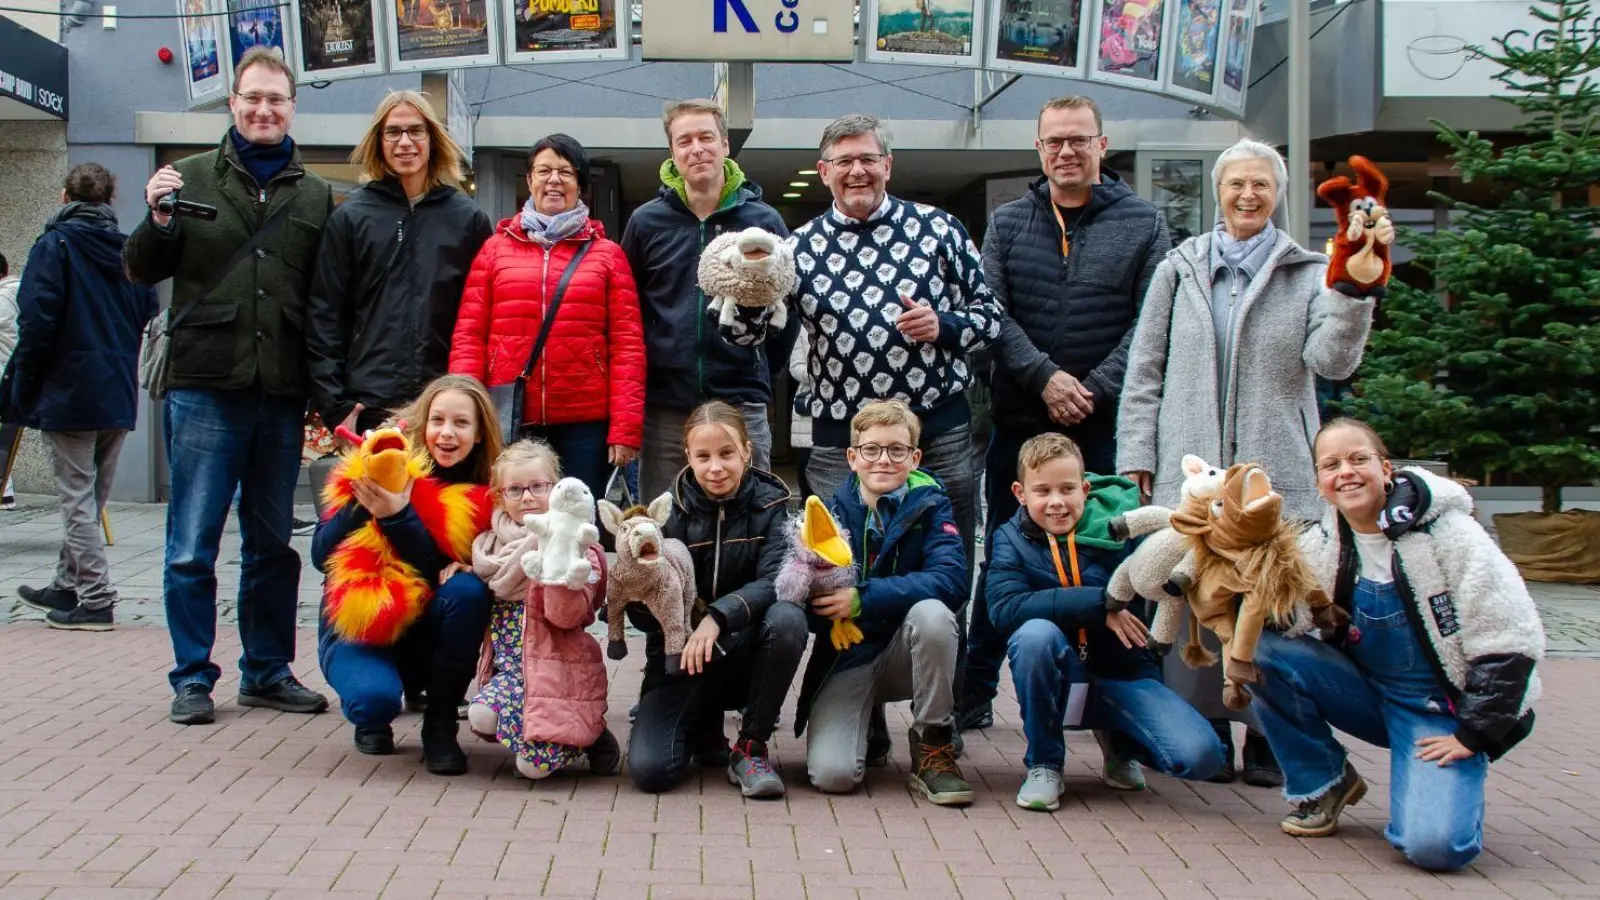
[
  {"x": 1048, "y": 570},
  {"x": 910, "y": 580}
]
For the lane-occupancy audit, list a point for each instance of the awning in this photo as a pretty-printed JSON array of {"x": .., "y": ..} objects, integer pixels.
[{"x": 33, "y": 74}]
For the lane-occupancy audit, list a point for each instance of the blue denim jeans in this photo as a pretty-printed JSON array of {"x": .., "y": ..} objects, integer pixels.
[
  {"x": 1147, "y": 721},
  {"x": 370, "y": 679},
  {"x": 1383, "y": 692},
  {"x": 220, "y": 442}
]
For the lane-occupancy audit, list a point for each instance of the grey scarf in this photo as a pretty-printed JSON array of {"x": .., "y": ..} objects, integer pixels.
[
  {"x": 547, "y": 231},
  {"x": 1235, "y": 251}
]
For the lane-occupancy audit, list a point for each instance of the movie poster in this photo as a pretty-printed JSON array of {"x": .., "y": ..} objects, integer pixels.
[
  {"x": 337, "y": 39},
  {"x": 203, "y": 51},
  {"x": 1129, "y": 45},
  {"x": 1236, "y": 61},
  {"x": 563, "y": 30},
  {"x": 256, "y": 23},
  {"x": 929, "y": 32},
  {"x": 1195, "y": 45},
  {"x": 1038, "y": 36},
  {"x": 441, "y": 34}
]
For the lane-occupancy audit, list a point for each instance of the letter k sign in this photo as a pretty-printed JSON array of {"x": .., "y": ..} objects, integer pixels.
[{"x": 719, "y": 16}]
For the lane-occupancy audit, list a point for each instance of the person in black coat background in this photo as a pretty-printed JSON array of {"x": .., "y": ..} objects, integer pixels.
[{"x": 79, "y": 321}]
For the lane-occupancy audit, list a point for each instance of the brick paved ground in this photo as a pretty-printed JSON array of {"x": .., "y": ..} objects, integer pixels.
[{"x": 101, "y": 797}]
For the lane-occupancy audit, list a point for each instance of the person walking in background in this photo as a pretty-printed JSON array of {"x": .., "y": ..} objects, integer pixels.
[
  {"x": 8, "y": 345},
  {"x": 73, "y": 377}
]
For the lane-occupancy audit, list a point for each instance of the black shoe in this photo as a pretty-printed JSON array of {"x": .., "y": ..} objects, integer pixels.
[
  {"x": 1228, "y": 774},
  {"x": 80, "y": 618},
  {"x": 377, "y": 741},
  {"x": 48, "y": 599},
  {"x": 1260, "y": 765},
  {"x": 441, "y": 753},
  {"x": 980, "y": 716},
  {"x": 878, "y": 743},
  {"x": 304, "y": 527},
  {"x": 285, "y": 695},
  {"x": 193, "y": 706},
  {"x": 416, "y": 702},
  {"x": 605, "y": 755}
]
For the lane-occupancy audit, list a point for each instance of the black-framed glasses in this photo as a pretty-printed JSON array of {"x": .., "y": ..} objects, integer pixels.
[
  {"x": 898, "y": 453},
  {"x": 1077, "y": 142},
  {"x": 867, "y": 161},
  {"x": 532, "y": 488},
  {"x": 417, "y": 133}
]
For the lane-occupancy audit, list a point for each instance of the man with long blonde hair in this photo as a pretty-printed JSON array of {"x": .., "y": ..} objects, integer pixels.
[{"x": 393, "y": 263}]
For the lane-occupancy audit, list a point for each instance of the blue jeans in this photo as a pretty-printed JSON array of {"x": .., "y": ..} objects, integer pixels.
[
  {"x": 222, "y": 441},
  {"x": 370, "y": 679},
  {"x": 1384, "y": 693},
  {"x": 1146, "y": 719},
  {"x": 582, "y": 448}
]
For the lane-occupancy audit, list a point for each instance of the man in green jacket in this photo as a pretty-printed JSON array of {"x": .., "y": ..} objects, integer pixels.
[{"x": 236, "y": 386}]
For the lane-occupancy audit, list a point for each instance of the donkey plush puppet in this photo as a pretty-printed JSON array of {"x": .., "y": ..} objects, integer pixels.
[{"x": 651, "y": 569}]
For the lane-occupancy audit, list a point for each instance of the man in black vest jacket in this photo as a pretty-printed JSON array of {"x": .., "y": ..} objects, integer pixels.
[{"x": 1069, "y": 263}]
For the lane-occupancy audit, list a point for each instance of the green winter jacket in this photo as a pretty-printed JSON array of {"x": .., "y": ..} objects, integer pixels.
[{"x": 251, "y": 330}]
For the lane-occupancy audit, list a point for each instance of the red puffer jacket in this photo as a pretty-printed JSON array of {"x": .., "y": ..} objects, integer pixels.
[{"x": 592, "y": 368}]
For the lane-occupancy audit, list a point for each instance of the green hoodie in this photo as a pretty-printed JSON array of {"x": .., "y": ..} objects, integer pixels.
[
  {"x": 1109, "y": 496},
  {"x": 732, "y": 179}
]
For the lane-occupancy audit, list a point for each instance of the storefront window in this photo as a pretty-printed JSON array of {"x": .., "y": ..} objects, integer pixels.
[{"x": 1178, "y": 190}]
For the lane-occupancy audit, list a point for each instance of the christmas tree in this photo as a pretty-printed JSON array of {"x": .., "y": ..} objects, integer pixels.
[{"x": 1496, "y": 368}]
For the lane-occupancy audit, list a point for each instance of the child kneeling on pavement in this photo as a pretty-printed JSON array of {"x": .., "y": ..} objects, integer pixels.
[
  {"x": 1048, "y": 570},
  {"x": 911, "y": 578}
]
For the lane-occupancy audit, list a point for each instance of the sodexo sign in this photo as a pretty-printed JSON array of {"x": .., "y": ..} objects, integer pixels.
[{"x": 741, "y": 30}]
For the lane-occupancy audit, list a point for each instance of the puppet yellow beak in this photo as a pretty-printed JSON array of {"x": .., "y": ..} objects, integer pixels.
[
  {"x": 388, "y": 452},
  {"x": 821, "y": 533}
]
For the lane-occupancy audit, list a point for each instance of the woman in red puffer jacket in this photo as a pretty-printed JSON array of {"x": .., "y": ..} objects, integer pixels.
[{"x": 585, "y": 395}]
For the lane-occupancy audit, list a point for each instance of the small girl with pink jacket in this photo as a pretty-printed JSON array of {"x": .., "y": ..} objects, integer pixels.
[{"x": 544, "y": 680}]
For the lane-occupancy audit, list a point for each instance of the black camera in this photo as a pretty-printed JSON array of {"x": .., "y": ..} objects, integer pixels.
[{"x": 173, "y": 205}]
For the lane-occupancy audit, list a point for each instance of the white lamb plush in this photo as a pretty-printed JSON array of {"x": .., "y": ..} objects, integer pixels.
[
  {"x": 564, "y": 533},
  {"x": 752, "y": 268}
]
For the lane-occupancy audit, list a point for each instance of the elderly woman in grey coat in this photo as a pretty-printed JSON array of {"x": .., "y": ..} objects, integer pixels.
[{"x": 1236, "y": 325}]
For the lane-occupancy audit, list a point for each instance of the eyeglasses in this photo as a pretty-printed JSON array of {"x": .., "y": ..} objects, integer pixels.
[
  {"x": 560, "y": 173},
  {"x": 867, "y": 161},
  {"x": 898, "y": 453},
  {"x": 417, "y": 133},
  {"x": 1078, "y": 143},
  {"x": 276, "y": 101},
  {"x": 1358, "y": 460},
  {"x": 532, "y": 489}
]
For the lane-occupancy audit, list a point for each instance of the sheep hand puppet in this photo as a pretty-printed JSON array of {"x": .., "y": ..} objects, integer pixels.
[
  {"x": 753, "y": 268},
  {"x": 818, "y": 560},
  {"x": 564, "y": 532}
]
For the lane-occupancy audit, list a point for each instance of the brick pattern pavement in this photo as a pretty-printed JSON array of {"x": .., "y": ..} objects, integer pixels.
[{"x": 101, "y": 797}]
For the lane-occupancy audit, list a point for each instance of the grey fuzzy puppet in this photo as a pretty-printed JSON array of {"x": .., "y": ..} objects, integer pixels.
[
  {"x": 752, "y": 268},
  {"x": 651, "y": 569}
]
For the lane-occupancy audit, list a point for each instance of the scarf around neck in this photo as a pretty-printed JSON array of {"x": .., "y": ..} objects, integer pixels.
[
  {"x": 262, "y": 161},
  {"x": 1235, "y": 251},
  {"x": 96, "y": 214},
  {"x": 547, "y": 231},
  {"x": 497, "y": 556}
]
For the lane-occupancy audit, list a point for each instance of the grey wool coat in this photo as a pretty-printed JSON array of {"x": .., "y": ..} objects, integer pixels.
[{"x": 1289, "y": 328}]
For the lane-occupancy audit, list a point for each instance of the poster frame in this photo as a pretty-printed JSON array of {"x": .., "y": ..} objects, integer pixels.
[
  {"x": 490, "y": 57},
  {"x": 1163, "y": 43},
  {"x": 1170, "y": 84},
  {"x": 287, "y": 27},
  {"x": 378, "y": 66},
  {"x": 216, "y": 86},
  {"x": 993, "y": 61},
  {"x": 1230, "y": 100},
  {"x": 620, "y": 37},
  {"x": 973, "y": 59}
]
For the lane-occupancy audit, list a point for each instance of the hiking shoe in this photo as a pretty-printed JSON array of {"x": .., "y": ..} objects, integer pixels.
[
  {"x": 80, "y": 618},
  {"x": 193, "y": 706},
  {"x": 978, "y": 717},
  {"x": 286, "y": 695},
  {"x": 1260, "y": 764},
  {"x": 378, "y": 741},
  {"x": 605, "y": 754},
  {"x": 441, "y": 752},
  {"x": 934, "y": 772},
  {"x": 1320, "y": 817},
  {"x": 750, "y": 768},
  {"x": 1118, "y": 772},
  {"x": 48, "y": 599},
  {"x": 1041, "y": 790}
]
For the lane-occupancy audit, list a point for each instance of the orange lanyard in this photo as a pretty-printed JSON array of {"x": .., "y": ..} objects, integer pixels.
[
  {"x": 1066, "y": 249},
  {"x": 1075, "y": 581}
]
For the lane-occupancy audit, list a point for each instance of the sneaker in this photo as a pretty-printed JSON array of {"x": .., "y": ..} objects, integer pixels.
[
  {"x": 934, "y": 772},
  {"x": 750, "y": 768},
  {"x": 1320, "y": 817},
  {"x": 304, "y": 527},
  {"x": 193, "y": 706},
  {"x": 605, "y": 755},
  {"x": 1041, "y": 790},
  {"x": 80, "y": 618},
  {"x": 377, "y": 741},
  {"x": 1118, "y": 772},
  {"x": 1260, "y": 765},
  {"x": 8, "y": 502},
  {"x": 979, "y": 717},
  {"x": 48, "y": 599},
  {"x": 286, "y": 695}
]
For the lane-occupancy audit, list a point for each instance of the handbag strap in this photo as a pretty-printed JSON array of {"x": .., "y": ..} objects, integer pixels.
[
  {"x": 1075, "y": 581},
  {"x": 555, "y": 304},
  {"x": 267, "y": 229}
]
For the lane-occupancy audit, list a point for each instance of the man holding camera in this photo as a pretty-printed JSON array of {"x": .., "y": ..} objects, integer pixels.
[{"x": 237, "y": 230}]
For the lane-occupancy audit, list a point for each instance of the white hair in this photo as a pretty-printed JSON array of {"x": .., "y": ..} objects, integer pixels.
[{"x": 1249, "y": 149}]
